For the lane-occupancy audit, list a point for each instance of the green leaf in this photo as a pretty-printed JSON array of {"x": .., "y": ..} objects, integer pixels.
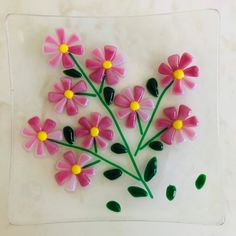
[
  {"x": 68, "y": 133},
  {"x": 72, "y": 73},
  {"x": 152, "y": 87},
  {"x": 113, "y": 206},
  {"x": 112, "y": 174},
  {"x": 170, "y": 192},
  {"x": 108, "y": 94},
  {"x": 118, "y": 148},
  {"x": 200, "y": 181},
  {"x": 137, "y": 191},
  {"x": 156, "y": 145},
  {"x": 151, "y": 169}
]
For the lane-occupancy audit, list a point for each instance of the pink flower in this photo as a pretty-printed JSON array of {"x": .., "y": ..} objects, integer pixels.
[
  {"x": 71, "y": 171},
  {"x": 179, "y": 124},
  {"x": 133, "y": 104},
  {"x": 59, "y": 48},
  {"x": 109, "y": 64},
  {"x": 178, "y": 72},
  {"x": 39, "y": 134},
  {"x": 66, "y": 96},
  {"x": 95, "y": 129}
]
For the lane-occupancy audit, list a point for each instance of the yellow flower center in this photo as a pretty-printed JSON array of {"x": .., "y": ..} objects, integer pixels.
[
  {"x": 76, "y": 169},
  {"x": 42, "y": 136},
  {"x": 178, "y": 74},
  {"x": 107, "y": 64},
  {"x": 63, "y": 48},
  {"x": 134, "y": 106},
  {"x": 177, "y": 124},
  {"x": 69, "y": 94},
  {"x": 94, "y": 132}
]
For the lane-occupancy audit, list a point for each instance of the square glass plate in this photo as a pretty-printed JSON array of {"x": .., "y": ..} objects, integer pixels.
[{"x": 146, "y": 41}]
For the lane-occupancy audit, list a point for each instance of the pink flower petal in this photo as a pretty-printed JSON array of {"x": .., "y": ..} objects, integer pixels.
[
  {"x": 51, "y": 40},
  {"x": 124, "y": 113},
  {"x": 62, "y": 165},
  {"x": 191, "y": 122},
  {"x": 111, "y": 77},
  {"x": 71, "y": 108},
  {"x": 70, "y": 157},
  {"x": 62, "y": 176},
  {"x": 171, "y": 113},
  {"x": 165, "y": 69},
  {"x": 28, "y": 133},
  {"x": 101, "y": 142},
  {"x": 80, "y": 100},
  {"x": 166, "y": 80},
  {"x": 138, "y": 93},
  {"x": 30, "y": 144},
  {"x": 128, "y": 93},
  {"x": 55, "y": 96},
  {"x": 97, "y": 75},
  {"x": 59, "y": 87},
  {"x": 131, "y": 120},
  {"x": 66, "y": 82},
  {"x": 88, "y": 142},
  {"x": 83, "y": 179},
  {"x": 80, "y": 132},
  {"x": 184, "y": 112},
  {"x": 85, "y": 123},
  {"x": 168, "y": 136},
  {"x": 173, "y": 61},
  {"x": 118, "y": 60},
  {"x": 61, "y": 35},
  {"x": 121, "y": 101},
  {"x": 192, "y": 71},
  {"x": 190, "y": 133},
  {"x": 56, "y": 135},
  {"x": 89, "y": 171},
  {"x": 35, "y": 123},
  {"x": 49, "y": 49},
  {"x": 118, "y": 70},
  {"x": 177, "y": 87},
  {"x": 40, "y": 149},
  {"x": 83, "y": 159},
  {"x": 188, "y": 83},
  {"x": 49, "y": 125},
  {"x": 179, "y": 137},
  {"x": 92, "y": 64},
  {"x": 143, "y": 115},
  {"x": 77, "y": 49},
  {"x": 59, "y": 107},
  {"x": 107, "y": 134},
  {"x": 110, "y": 52},
  {"x": 51, "y": 147},
  {"x": 55, "y": 60},
  {"x": 163, "y": 123},
  {"x": 67, "y": 61},
  {"x": 185, "y": 60},
  {"x": 98, "y": 54},
  {"x": 146, "y": 104},
  {"x": 95, "y": 119},
  {"x": 73, "y": 39},
  {"x": 71, "y": 184},
  {"x": 80, "y": 86},
  {"x": 105, "y": 122}
]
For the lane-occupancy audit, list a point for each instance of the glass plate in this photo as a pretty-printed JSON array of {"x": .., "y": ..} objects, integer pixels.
[{"x": 146, "y": 41}]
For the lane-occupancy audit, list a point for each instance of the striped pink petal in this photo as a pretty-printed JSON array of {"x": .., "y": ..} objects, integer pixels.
[
  {"x": 88, "y": 142},
  {"x": 121, "y": 101},
  {"x": 192, "y": 71},
  {"x": 107, "y": 134},
  {"x": 80, "y": 100},
  {"x": 49, "y": 49},
  {"x": 28, "y": 133},
  {"x": 40, "y": 149},
  {"x": 73, "y": 39},
  {"x": 61, "y": 35},
  {"x": 67, "y": 61},
  {"x": 59, "y": 107},
  {"x": 71, "y": 184},
  {"x": 173, "y": 61},
  {"x": 70, "y": 157},
  {"x": 179, "y": 137},
  {"x": 63, "y": 165},
  {"x": 89, "y": 171},
  {"x": 92, "y": 64},
  {"x": 98, "y": 54},
  {"x": 77, "y": 49},
  {"x": 51, "y": 147},
  {"x": 80, "y": 132},
  {"x": 110, "y": 52},
  {"x": 164, "y": 69},
  {"x": 66, "y": 82},
  {"x": 83, "y": 159},
  {"x": 143, "y": 115},
  {"x": 118, "y": 60},
  {"x": 191, "y": 122},
  {"x": 163, "y": 123},
  {"x": 95, "y": 118},
  {"x": 138, "y": 93},
  {"x": 131, "y": 120},
  {"x": 185, "y": 60},
  {"x": 101, "y": 142},
  {"x": 51, "y": 40},
  {"x": 166, "y": 80},
  {"x": 71, "y": 108},
  {"x": 171, "y": 113},
  {"x": 57, "y": 135},
  {"x": 62, "y": 176},
  {"x": 105, "y": 122},
  {"x": 118, "y": 70},
  {"x": 55, "y": 60},
  {"x": 124, "y": 113},
  {"x": 190, "y": 133},
  {"x": 30, "y": 144},
  {"x": 146, "y": 104},
  {"x": 188, "y": 83},
  {"x": 128, "y": 93},
  {"x": 111, "y": 77},
  {"x": 35, "y": 123},
  {"x": 168, "y": 136},
  {"x": 80, "y": 86},
  {"x": 49, "y": 125},
  {"x": 59, "y": 87},
  {"x": 184, "y": 112},
  {"x": 55, "y": 96},
  {"x": 85, "y": 123},
  {"x": 83, "y": 179},
  {"x": 178, "y": 88},
  {"x": 97, "y": 75}
]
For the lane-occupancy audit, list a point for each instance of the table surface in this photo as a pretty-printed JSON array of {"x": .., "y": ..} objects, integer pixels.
[{"x": 227, "y": 10}]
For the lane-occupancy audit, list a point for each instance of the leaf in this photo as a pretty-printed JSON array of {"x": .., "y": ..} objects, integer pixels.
[
  {"x": 152, "y": 87},
  {"x": 72, "y": 73},
  {"x": 113, "y": 206},
  {"x": 118, "y": 148},
  {"x": 200, "y": 181},
  {"x": 112, "y": 174},
  {"x": 108, "y": 94},
  {"x": 137, "y": 191},
  {"x": 156, "y": 145},
  {"x": 68, "y": 133},
  {"x": 170, "y": 192},
  {"x": 151, "y": 169}
]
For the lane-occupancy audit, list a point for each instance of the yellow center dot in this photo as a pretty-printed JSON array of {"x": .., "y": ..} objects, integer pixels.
[
  {"x": 94, "y": 131},
  {"x": 63, "y": 48},
  {"x": 178, "y": 74},
  {"x": 107, "y": 64},
  {"x": 69, "y": 94},
  {"x": 76, "y": 169},
  {"x": 42, "y": 136},
  {"x": 134, "y": 106},
  {"x": 177, "y": 124}
]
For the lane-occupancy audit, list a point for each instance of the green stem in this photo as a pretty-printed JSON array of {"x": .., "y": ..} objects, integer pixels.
[
  {"x": 102, "y": 84},
  {"x": 86, "y": 94},
  {"x": 139, "y": 124},
  {"x": 97, "y": 156},
  {"x": 91, "y": 164},
  {"x": 151, "y": 118},
  {"x": 115, "y": 122},
  {"x": 153, "y": 138}
]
